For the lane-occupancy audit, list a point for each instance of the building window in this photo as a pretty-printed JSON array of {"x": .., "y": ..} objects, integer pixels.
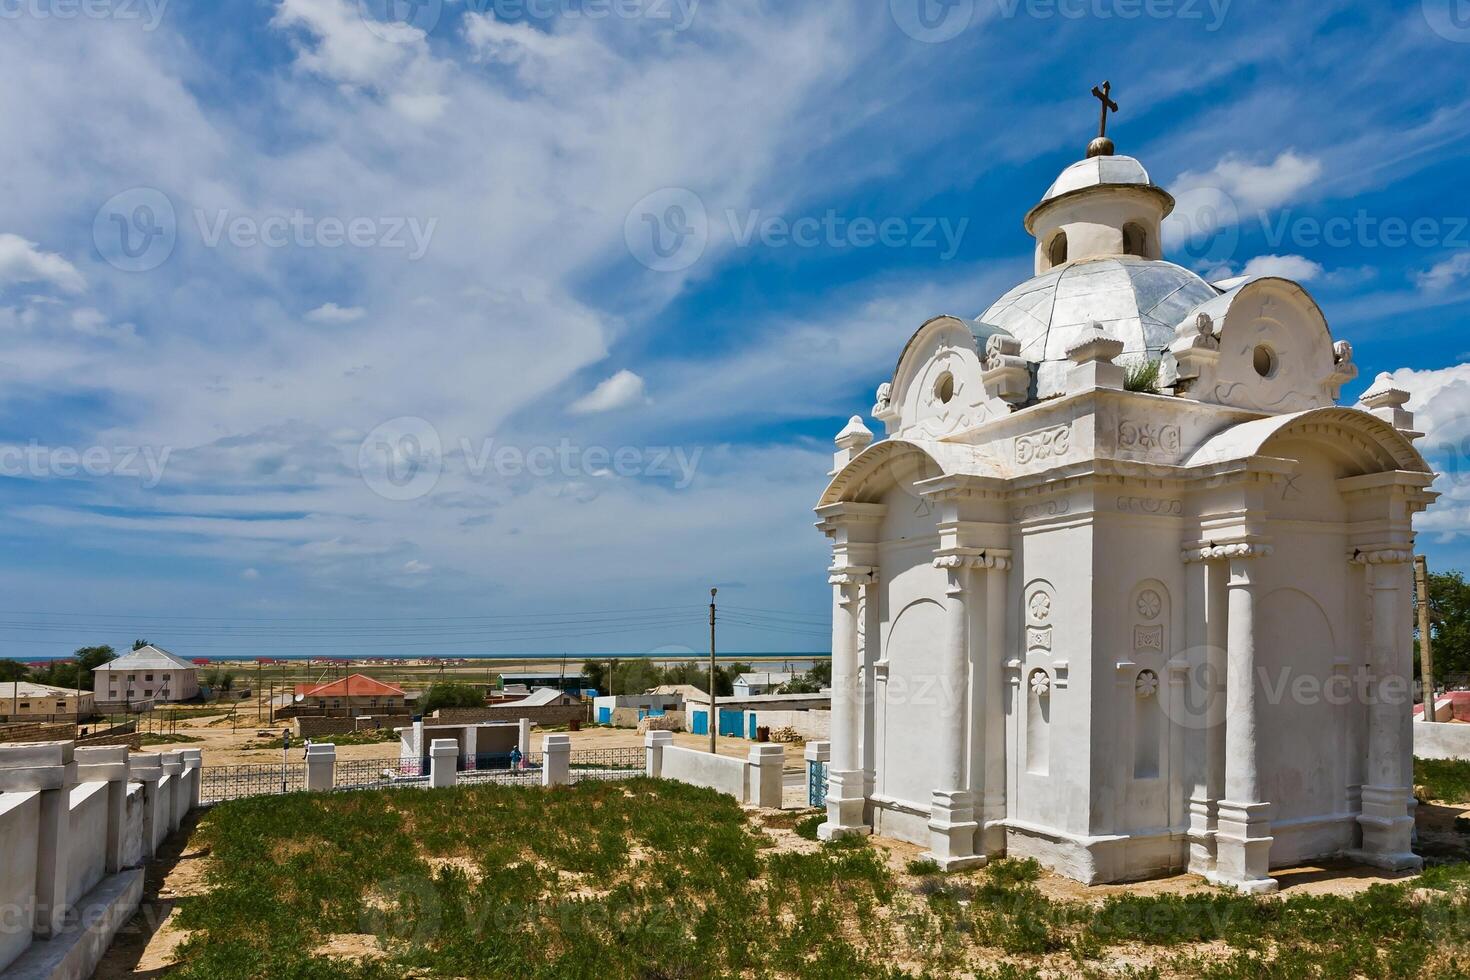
[
  {"x": 148, "y": 677},
  {"x": 1135, "y": 240},
  {"x": 24, "y": 705},
  {"x": 1056, "y": 250},
  {"x": 147, "y": 692}
]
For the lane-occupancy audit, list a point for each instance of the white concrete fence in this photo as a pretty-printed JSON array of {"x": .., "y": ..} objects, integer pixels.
[
  {"x": 76, "y": 824},
  {"x": 753, "y": 781},
  {"x": 1441, "y": 740}
]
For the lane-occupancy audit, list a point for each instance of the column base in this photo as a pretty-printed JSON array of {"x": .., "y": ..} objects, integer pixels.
[
  {"x": 952, "y": 829},
  {"x": 1243, "y": 847},
  {"x": 1202, "y": 826},
  {"x": 845, "y": 805},
  {"x": 1388, "y": 830}
]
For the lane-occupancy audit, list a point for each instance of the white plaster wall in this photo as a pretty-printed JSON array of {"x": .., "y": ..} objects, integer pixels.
[
  {"x": 87, "y": 863},
  {"x": 165, "y": 804},
  {"x": 698, "y": 768},
  {"x": 20, "y": 815},
  {"x": 810, "y": 725},
  {"x": 1441, "y": 740},
  {"x": 132, "y": 849}
]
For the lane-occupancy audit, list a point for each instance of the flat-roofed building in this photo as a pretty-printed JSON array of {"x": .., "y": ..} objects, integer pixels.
[{"x": 25, "y": 701}]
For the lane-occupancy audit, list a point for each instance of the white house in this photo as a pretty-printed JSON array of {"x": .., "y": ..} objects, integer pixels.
[
  {"x": 149, "y": 673},
  {"x": 1126, "y": 633},
  {"x": 760, "y": 682}
]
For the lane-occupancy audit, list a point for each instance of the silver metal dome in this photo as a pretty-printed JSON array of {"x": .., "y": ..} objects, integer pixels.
[{"x": 1138, "y": 301}]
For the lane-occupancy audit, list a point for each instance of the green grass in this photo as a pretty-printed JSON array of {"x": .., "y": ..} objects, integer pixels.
[
  {"x": 154, "y": 738},
  {"x": 1443, "y": 779},
  {"x": 1142, "y": 375},
  {"x": 372, "y": 737},
  {"x": 645, "y": 879}
]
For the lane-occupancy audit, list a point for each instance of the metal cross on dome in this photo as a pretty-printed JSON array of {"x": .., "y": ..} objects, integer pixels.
[{"x": 1104, "y": 94}]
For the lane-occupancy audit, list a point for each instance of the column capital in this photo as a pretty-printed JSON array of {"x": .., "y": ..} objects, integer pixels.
[
  {"x": 1227, "y": 551},
  {"x": 954, "y": 559},
  {"x": 851, "y": 575},
  {"x": 1381, "y": 555}
]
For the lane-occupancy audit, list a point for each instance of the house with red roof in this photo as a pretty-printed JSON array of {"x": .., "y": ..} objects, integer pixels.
[{"x": 355, "y": 694}]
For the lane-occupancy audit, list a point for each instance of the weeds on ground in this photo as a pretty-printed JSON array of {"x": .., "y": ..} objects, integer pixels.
[{"x": 1447, "y": 780}]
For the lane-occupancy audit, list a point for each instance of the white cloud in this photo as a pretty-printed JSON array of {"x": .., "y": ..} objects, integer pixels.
[
  {"x": 23, "y": 262},
  {"x": 1295, "y": 267},
  {"x": 250, "y": 574},
  {"x": 415, "y": 567},
  {"x": 1445, "y": 274},
  {"x": 1441, "y": 405},
  {"x": 331, "y": 313},
  {"x": 1254, "y": 187},
  {"x": 623, "y": 390}
]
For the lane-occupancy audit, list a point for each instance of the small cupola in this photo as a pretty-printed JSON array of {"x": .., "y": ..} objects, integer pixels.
[{"x": 1101, "y": 207}]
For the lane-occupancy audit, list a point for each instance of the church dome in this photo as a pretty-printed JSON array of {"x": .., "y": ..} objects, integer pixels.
[
  {"x": 1100, "y": 171},
  {"x": 1138, "y": 301}
]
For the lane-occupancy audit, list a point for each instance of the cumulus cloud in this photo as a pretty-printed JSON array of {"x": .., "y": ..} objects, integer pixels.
[
  {"x": 1252, "y": 186},
  {"x": 1295, "y": 267},
  {"x": 22, "y": 262},
  {"x": 1444, "y": 274},
  {"x": 623, "y": 390},
  {"x": 332, "y": 314}
]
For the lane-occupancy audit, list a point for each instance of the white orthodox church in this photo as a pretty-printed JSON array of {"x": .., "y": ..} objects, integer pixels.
[{"x": 1125, "y": 632}]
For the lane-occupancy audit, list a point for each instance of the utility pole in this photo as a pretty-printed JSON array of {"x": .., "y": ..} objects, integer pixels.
[
  {"x": 257, "y": 691},
  {"x": 714, "y": 725},
  {"x": 1426, "y": 655}
]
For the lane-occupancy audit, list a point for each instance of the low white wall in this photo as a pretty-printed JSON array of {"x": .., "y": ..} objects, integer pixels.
[
  {"x": 1442, "y": 740},
  {"x": 20, "y": 827},
  {"x": 165, "y": 809},
  {"x": 86, "y": 863},
  {"x": 700, "y": 768}
]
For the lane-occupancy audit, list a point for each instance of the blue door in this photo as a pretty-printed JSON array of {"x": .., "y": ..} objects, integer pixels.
[
  {"x": 699, "y": 722},
  {"x": 604, "y": 716},
  {"x": 732, "y": 723}
]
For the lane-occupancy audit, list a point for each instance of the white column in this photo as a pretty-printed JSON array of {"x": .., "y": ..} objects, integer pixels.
[
  {"x": 443, "y": 762},
  {"x": 653, "y": 745},
  {"x": 47, "y": 769},
  {"x": 523, "y": 737},
  {"x": 1207, "y": 582},
  {"x": 147, "y": 768},
  {"x": 952, "y": 823},
  {"x": 109, "y": 764},
  {"x": 845, "y": 780},
  {"x": 1243, "y": 834},
  {"x": 321, "y": 767},
  {"x": 1387, "y": 784},
  {"x": 867, "y": 685},
  {"x": 556, "y": 760},
  {"x": 763, "y": 769},
  {"x": 992, "y": 803}
]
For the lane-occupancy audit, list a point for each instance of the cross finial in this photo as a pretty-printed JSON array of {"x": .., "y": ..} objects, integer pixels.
[{"x": 1102, "y": 146}]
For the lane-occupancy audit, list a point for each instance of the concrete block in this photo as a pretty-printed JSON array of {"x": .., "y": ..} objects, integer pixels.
[
  {"x": 443, "y": 763},
  {"x": 556, "y": 760}
]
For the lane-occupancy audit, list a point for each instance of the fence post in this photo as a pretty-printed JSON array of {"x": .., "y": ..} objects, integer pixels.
[
  {"x": 173, "y": 765},
  {"x": 147, "y": 768},
  {"x": 194, "y": 769},
  {"x": 556, "y": 760},
  {"x": 817, "y": 754},
  {"x": 653, "y": 744},
  {"x": 443, "y": 762},
  {"x": 523, "y": 738},
  {"x": 763, "y": 776},
  {"x": 108, "y": 764},
  {"x": 46, "y": 768},
  {"x": 321, "y": 767}
]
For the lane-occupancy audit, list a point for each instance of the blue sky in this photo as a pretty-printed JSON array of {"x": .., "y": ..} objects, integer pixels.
[{"x": 329, "y": 332}]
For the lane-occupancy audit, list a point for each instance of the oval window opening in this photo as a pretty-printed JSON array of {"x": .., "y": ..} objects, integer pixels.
[
  {"x": 944, "y": 388},
  {"x": 1056, "y": 251},
  {"x": 1265, "y": 361}
]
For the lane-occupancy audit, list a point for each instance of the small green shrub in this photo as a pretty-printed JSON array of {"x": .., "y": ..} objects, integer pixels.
[
  {"x": 1142, "y": 376},
  {"x": 808, "y": 828},
  {"x": 919, "y": 867},
  {"x": 1447, "y": 780}
]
